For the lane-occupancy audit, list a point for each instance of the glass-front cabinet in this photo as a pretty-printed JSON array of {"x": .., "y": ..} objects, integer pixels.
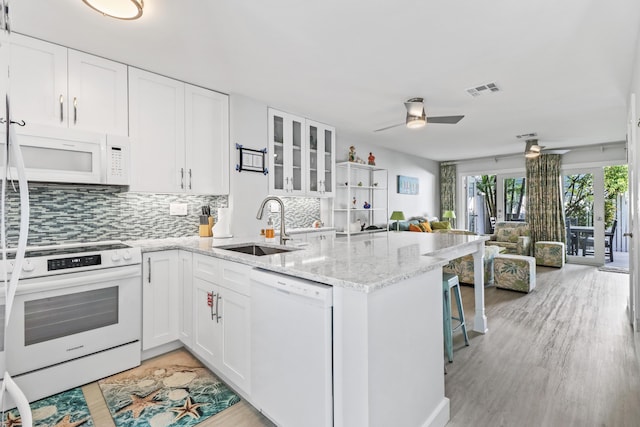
[
  {"x": 321, "y": 158},
  {"x": 286, "y": 159}
]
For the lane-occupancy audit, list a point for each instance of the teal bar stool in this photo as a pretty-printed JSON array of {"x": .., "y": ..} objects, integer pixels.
[{"x": 450, "y": 284}]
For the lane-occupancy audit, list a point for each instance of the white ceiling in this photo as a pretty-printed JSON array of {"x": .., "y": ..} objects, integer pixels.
[{"x": 564, "y": 67}]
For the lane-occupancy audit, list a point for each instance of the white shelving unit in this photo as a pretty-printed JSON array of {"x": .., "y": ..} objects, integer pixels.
[{"x": 356, "y": 184}]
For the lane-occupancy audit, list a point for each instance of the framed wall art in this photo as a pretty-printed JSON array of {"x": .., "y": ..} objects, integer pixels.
[{"x": 408, "y": 185}]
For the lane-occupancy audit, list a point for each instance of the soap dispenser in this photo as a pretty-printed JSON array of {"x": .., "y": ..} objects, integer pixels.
[{"x": 269, "y": 233}]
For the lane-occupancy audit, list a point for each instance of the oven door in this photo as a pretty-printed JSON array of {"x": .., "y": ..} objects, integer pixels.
[{"x": 59, "y": 318}]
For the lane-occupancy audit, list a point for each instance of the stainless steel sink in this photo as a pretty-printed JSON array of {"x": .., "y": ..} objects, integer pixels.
[{"x": 255, "y": 249}]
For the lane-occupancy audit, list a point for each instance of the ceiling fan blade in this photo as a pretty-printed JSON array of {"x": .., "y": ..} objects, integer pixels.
[
  {"x": 389, "y": 127},
  {"x": 449, "y": 120}
]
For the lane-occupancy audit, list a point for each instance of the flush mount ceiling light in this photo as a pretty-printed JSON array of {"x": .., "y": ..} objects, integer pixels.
[{"x": 119, "y": 9}]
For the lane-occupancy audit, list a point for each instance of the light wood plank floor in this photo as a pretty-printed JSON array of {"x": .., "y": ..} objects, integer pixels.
[{"x": 563, "y": 355}]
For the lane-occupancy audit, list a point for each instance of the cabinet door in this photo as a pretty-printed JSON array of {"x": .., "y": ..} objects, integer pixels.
[
  {"x": 156, "y": 119},
  {"x": 286, "y": 158},
  {"x": 38, "y": 81},
  {"x": 185, "y": 298},
  {"x": 207, "y": 333},
  {"x": 97, "y": 94},
  {"x": 236, "y": 339},
  {"x": 320, "y": 164},
  {"x": 207, "y": 141},
  {"x": 160, "y": 288}
]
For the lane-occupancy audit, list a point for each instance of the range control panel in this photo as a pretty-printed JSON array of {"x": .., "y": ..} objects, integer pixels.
[{"x": 73, "y": 262}]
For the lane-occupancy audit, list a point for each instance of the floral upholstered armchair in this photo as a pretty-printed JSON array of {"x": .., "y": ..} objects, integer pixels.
[
  {"x": 463, "y": 267},
  {"x": 512, "y": 235}
]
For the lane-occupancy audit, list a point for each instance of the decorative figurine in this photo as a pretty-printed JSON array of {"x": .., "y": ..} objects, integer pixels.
[
  {"x": 354, "y": 203},
  {"x": 372, "y": 159},
  {"x": 359, "y": 183},
  {"x": 352, "y": 154},
  {"x": 366, "y": 205}
]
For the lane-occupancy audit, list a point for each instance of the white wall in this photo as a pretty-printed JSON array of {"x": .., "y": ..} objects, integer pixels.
[
  {"x": 248, "y": 127},
  {"x": 634, "y": 204},
  {"x": 427, "y": 202}
]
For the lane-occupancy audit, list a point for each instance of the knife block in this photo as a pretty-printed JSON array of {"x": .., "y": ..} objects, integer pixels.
[{"x": 206, "y": 222}]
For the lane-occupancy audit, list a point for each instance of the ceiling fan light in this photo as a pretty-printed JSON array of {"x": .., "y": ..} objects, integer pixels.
[
  {"x": 415, "y": 122},
  {"x": 532, "y": 149},
  {"x": 119, "y": 9}
]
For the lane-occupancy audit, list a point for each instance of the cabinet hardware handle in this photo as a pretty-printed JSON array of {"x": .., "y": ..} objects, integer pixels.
[
  {"x": 182, "y": 178},
  {"x": 149, "y": 265},
  {"x": 628, "y": 234},
  {"x": 210, "y": 297},
  {"x": 189, "y": 178},
  {"x": 218, "y": 317},
  {"x": 75, "y": 110},
  {"x": 61, "y": 108}
]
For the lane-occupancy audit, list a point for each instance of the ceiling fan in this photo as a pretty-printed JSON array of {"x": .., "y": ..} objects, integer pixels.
[
  {"x": 416, "y": 117},
  {"x": 533, "y": 150}
]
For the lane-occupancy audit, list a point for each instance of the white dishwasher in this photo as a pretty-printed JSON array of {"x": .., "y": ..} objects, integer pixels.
[{"x": 291, "y": 349}]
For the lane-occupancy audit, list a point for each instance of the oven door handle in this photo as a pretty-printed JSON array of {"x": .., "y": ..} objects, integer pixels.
[{"x": 78, "y": 279}]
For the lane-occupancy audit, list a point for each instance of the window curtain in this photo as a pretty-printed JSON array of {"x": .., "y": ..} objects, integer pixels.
[
  {"x": 545, "y": 209},
  {"x": 447, "y": 188}
]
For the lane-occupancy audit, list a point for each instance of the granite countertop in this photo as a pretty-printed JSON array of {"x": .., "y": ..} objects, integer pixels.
[
  {"x": 292, "y": 231},
  {"x": 364, "y": 263}
]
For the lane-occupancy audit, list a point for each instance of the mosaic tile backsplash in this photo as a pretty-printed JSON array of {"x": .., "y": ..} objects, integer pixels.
[
  {"x": 300, "y": 212},
  {"x": 82, "y": 213}
]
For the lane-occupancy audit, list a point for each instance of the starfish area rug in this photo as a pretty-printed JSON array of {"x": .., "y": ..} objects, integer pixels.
[
  {"x": 171, "y": 390},
  {"x": 66, "y": 409}
]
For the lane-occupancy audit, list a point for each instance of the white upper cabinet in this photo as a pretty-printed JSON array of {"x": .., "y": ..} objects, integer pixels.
[
  {"x": 179, "y": 136},
  {"x": 286, "y": 158},
  {"x": 207, "y": 140},
  {"x": 55, "y": 86},
  {"x": 321, "y": 141},
  {"x": 301, "y": 156},
  {"x": 156, "y": 117},
  {"x": 97, "y": 94}
]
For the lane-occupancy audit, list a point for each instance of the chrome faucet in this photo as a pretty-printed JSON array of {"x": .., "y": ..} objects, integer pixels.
[{"x": 283, "y": 235}]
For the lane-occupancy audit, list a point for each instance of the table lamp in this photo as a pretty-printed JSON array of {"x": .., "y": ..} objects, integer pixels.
[
  {"x": 397, "y": 216},
  {"x": 449, "y": 215}
]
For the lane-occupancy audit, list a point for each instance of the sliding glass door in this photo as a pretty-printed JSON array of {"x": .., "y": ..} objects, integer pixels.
[
  {"x": 584, "y": 215},
  {"x": 482, "y": 195}
]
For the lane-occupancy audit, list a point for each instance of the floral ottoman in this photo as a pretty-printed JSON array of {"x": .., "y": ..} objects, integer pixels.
[
  {"x": 514, "y": 272},
  {"x": 550, "y": 254}
]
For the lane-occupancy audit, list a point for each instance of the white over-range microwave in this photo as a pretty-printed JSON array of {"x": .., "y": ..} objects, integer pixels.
[{"x": 67, "y": 155}]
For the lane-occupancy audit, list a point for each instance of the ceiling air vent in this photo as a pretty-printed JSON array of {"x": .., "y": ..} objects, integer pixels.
[
  {"x": 485, "y": 88},
  {"x": 527, "y": 135}
]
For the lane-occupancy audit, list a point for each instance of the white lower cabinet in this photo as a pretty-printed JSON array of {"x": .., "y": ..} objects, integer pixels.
[
  {"x": 185, "y": 298},
  {"x": 221, "y": 317},
  {"x": 160, "y": 291}
]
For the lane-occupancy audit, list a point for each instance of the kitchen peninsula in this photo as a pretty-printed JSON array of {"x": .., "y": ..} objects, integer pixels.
[{"x": 387, "y": 316}]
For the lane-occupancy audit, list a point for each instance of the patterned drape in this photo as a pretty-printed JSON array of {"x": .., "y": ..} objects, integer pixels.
[
  {"x": 545, "y": 210},
  {"x": 447, "y": 188}
]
